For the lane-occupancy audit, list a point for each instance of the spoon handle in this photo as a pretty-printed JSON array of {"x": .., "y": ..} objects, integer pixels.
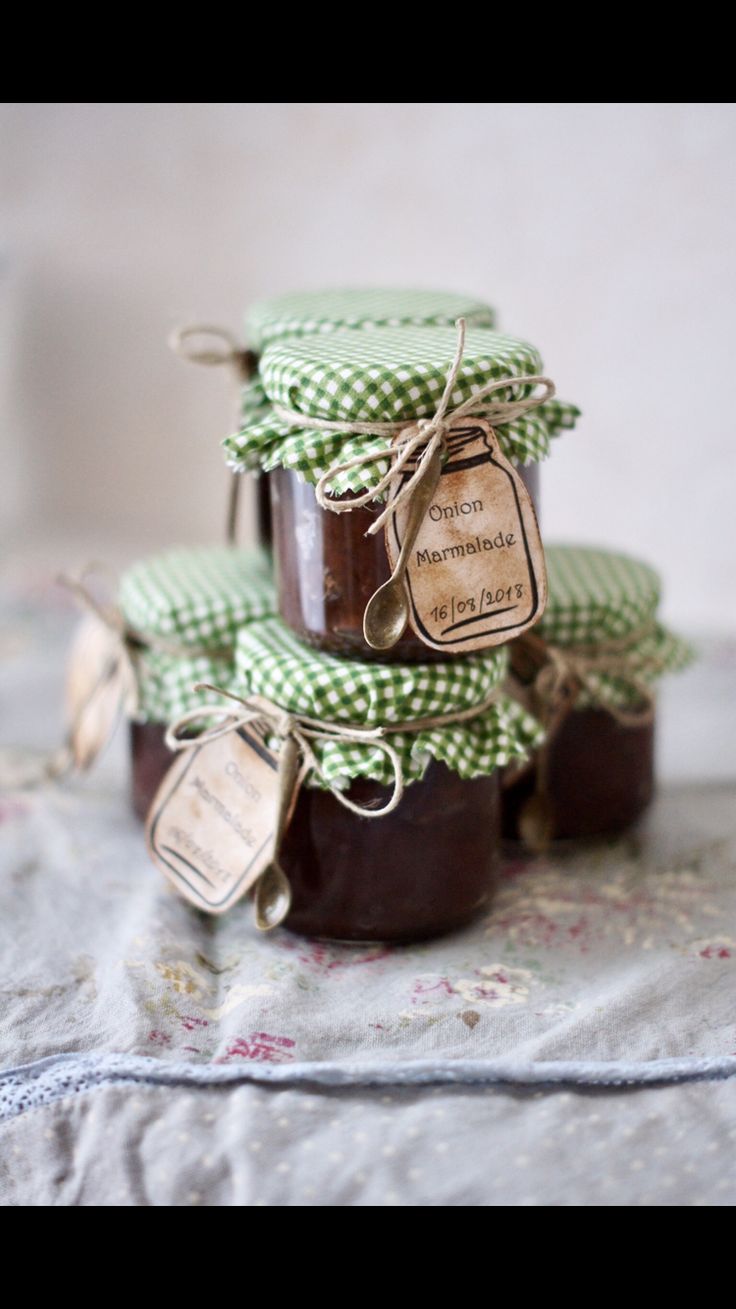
[
  {"x": 273, "y": 892},
  {"x": 420, "y": 503},
  {"x": 288, "y": 772}
]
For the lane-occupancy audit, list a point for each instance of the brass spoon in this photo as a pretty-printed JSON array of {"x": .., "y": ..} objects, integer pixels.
[
  {"x": 387, "y": 611},
  {"x": 536, "y": 823},
  {"x": 273, "y": 898},
  {"x": 273, "y": 891}
]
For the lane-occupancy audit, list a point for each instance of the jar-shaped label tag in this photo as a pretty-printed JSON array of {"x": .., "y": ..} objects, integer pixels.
[
  {"x": 476, "y": 574},
  {"x": 95, "y": 689},
  {"x": 212, "y": 826}
]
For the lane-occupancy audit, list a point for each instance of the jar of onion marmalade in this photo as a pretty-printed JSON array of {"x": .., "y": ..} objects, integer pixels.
[
  {"x": 325, "y": 603},
  {"x": 589, "y": 671},
  {"x": 184, "y": 609},
  {"x": 306, "y": 313},
  {"x": 428, "y": 866},
  {"x": 327, "y": 567}
]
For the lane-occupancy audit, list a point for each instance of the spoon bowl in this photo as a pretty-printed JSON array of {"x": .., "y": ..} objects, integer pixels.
[
  {"x": 273, "y": 898},
  {"x": 386, "y": 615}
]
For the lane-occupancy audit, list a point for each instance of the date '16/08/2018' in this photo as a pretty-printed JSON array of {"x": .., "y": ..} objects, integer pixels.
[{"x": 487, "y": 600}]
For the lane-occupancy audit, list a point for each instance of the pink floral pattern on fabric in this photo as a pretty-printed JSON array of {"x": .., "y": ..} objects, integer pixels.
[
  {"x": 562, "y": 931},
  {"x": 261, "y": 1047}
]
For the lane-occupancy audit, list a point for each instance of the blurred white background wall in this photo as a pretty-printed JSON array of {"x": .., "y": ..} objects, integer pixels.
[{"x": 603, "y": 233}]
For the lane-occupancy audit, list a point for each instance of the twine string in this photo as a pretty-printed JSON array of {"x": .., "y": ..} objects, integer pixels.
[
  {"x": 128, "y": 645},
  {"x": 131, "y": 637},
  {"x": 229, "y": 353},
  {"x": 564, "y": 672},
  {"x": 305, "y": 730}
]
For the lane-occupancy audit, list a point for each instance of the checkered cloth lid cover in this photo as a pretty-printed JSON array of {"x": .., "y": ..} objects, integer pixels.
[
  {"x": 271, "y": 661},
  {"x": 303, "y": 313},
  {"x": 166, "y": 682},
  {"x": 386, "y": 375},
  {"x": 198, "y": 598},
  {"x": 600, "y": 596}
]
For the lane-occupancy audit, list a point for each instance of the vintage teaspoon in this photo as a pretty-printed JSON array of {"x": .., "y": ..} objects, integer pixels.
[{"x": 387, "y": 611}]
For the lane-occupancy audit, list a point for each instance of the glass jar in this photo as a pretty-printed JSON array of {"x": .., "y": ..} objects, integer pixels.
[
  {"x": 183, "y": 610},
  {"x": 327, "y": 570},
  {"x": 264, "y": 515},
  {"x": 426, "y": 868},
  {"x": 150, "y": 760},
  {"x": 589, "y": 670},
  {"x": 599, "y": 777}
]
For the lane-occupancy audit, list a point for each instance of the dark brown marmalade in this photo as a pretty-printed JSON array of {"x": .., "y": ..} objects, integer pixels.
[
  {"x": 264, "y": 523},
  {"x": 427, "y": 868},
  {"x": 150, "y": 760},
  {"x": 327, "y": 569},
  {"x": 600, "y": 777}
]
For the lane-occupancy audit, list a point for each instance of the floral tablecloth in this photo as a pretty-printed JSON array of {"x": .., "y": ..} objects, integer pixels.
[{"x": 576, "y": 1046}]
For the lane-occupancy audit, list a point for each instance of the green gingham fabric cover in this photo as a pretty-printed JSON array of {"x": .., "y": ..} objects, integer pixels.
[
  {"x": 388, "y": 374},
  {"x": 271, "y": 661},
  {"x": 199, "y": 598},
  {"x": 303, "y": 313},
  {"x": 165, "y": 684},
  {"x": 598, "y": 596}
]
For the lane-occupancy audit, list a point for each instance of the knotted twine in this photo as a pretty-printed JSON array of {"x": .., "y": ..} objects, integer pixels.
[
  {"x": 301, "y": 730},
  {"x": 420, "y": 439}
]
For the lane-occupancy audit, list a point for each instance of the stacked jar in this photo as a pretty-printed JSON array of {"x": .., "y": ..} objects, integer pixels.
[
  {"x": 410, "y": 733},
  {"x": 589, "y": 672},
  {"x": 428, "y": 863},
  {"x": 358, "y": 868},
  {"x": 327, "y": 566},
  {"x": 419, "y": 682},
  {"x": 181, "y": 613}
]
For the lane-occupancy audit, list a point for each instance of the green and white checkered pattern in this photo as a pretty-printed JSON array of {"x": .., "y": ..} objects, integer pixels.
[
  {"x": 199, "y": 597},
  {"x": 385, "y": 375},
  {"x": 598, "y": 596},
  {"x": 305, "y": 313},
  {"x": 271, "y": 661},
  {"x": 165, "y": 684}
]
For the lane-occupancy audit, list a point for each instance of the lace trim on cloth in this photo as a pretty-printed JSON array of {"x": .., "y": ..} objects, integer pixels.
[{"x": 31, "y": 1086}]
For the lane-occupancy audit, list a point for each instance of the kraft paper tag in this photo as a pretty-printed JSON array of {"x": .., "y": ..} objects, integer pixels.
[
  {"x": 95, "y": 689},
  {"x": 476, "y": 576},
  {"x": 212, "y": 825}
]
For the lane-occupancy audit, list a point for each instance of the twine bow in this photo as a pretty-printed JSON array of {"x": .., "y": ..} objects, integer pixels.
[
  {"x": 427, "y": 434},
  {"x": 296, "y": 727},
  {"x": 296, "y": 759}
]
